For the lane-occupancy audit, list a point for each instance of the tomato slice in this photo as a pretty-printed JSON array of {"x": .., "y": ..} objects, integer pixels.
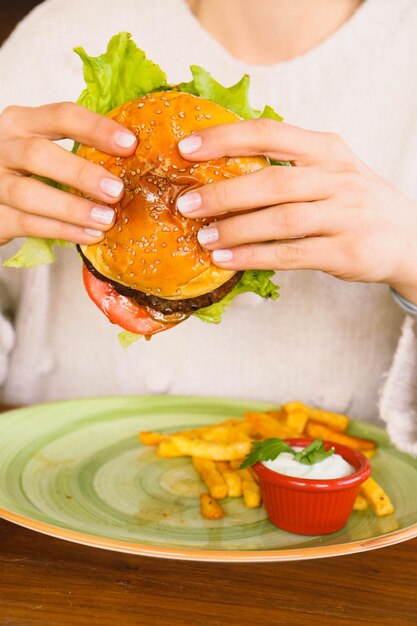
[{"x": 119, "y": 309}]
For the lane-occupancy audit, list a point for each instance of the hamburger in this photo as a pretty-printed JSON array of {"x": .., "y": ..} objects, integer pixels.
[{"x": 150, "y": 273}]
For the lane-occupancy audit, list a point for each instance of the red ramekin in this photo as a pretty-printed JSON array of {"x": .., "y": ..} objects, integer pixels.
[{"x": 308, "y": 506}]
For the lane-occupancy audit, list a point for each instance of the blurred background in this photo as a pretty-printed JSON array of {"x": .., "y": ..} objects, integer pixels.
[{"x": 12, "y": 13}]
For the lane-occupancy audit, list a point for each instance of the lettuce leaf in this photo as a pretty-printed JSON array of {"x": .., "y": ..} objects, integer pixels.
[
  {"x": 257, "y": 281},
  {"x": 234, "y": 98},
  {"x": 121, "y": 74},
  {"x": 126, "y": 338},
  {"x": 34, "y": 252}
]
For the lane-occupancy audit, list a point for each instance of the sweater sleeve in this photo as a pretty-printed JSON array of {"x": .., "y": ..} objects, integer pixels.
[
  {"x": 398, "y": 403},
  {"x": 398, "y": 400}
]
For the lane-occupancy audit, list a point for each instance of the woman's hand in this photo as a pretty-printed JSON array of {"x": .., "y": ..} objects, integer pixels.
[
  {"x": 329, "y": 213},
  {"x": 29, "y": 207}
]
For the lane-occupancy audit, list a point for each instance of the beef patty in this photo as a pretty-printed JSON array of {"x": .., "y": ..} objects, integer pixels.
[{"x": 167, "y": 307}]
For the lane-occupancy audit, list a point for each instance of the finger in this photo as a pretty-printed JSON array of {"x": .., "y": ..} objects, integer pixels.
[
  {"x": 16, "y": 223},
  {"x": 32, "y": 196},
  {"x": 44, "y": 158},
  {"x": 276, "y": 140},
  {"x": 268, "y": 186},
  {"x": 67, "y": 119},
  {"x": 285, "y": 221},
  {"x": 315, "y": 253}
]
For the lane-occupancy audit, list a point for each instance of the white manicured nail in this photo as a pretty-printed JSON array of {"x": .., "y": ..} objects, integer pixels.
[
  {"x": 111, "y": 187},
  {"x": 102, "y": 215},
  {"x": 93, "y": 233},
  {"x": 221, "y": 256},
  {"x": 207, "y": 235},
  {"x": 189, "y": 202},
  {"x": 124, "y": 140},
  {"x": 190, "y": 144}
]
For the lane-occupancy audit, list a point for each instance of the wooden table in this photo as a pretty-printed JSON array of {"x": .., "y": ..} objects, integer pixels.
[{"x": 49, "y": 582}]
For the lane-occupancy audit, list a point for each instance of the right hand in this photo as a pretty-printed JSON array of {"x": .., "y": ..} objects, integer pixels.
[{"x": 30, "y": 208}]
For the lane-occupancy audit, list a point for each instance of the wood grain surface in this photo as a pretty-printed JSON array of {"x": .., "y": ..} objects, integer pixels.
[{"x": 50, "y": 582}]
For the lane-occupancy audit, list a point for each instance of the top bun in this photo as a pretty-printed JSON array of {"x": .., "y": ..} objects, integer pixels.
[{"x": 152, "y": 247}]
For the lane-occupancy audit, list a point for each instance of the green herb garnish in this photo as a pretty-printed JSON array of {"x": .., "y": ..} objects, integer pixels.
[{"x": 270, "y": 449}]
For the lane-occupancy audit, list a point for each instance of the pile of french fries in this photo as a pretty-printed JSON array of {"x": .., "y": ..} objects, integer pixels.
[{"x": 217, "y": 452}]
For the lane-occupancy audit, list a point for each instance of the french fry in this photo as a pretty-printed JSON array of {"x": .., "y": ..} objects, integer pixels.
[
  {"x": 213, "y": 479},
  {"x": 168, "y": 449},
  {"x": 231, "y": 478},
  {"x": 265, "y": 426},
  {"x": 211, "y": 450},
  {"x": 361, "y": 503},
  {"x": 336, "y": 421},
  {"x": 376, "y": 497},
  {"x": 151, "y": 439},
  {"x": 210, "y": 508},
  {"x": 296, "y": 420},
  {"x": 250, "y": 489},
  {"x": 316, "y": 430},
  {"x": 369, "y": 453}
]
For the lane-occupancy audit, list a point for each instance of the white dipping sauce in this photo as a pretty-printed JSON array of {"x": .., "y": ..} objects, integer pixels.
[{"x": 333, "y": 466}]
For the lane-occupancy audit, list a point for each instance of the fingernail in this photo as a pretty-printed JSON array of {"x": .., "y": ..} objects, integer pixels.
[
  {"x": 124, "y": 140},
  {"x": 189, "y": 202},
  {"x": 93, "y": 233},
  {"x": 222, "y": 255},
  {"x": 111, "y": 187},
  {"x": 190, "y": 144},
  {"x": 207, "y": 235},
  {"x": 102, "y": 215}
]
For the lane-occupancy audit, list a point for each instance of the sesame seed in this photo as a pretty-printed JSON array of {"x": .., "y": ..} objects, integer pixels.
[
  {"x": 158, "y": 111},
  {"x": 126, "y": 220},
  {"x": 198, "y": 107},
  {"x": 167, "y": 104},
  {"x": 176, "y": 229},
  {"x": 154, "y": 270},
  {"x": 131, "y": 274},
  {"x": 140, "y": 105},
  {"x": 181, "y": 114},
  {"x": 101, "y": 162},
  {"x": 210, "y": 180},
  {"x": 207, "y": 116},
  {"x": 163, "y": 244}
]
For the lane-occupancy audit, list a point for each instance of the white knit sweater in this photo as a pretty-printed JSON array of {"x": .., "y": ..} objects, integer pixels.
[{"x": 325, "y": 342}]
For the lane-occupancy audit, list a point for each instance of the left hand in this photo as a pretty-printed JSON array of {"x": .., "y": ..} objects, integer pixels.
[{"x": 330, "y": 212}]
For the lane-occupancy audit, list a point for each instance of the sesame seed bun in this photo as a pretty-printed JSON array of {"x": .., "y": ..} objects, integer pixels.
[{"x": 152, "y": 248}]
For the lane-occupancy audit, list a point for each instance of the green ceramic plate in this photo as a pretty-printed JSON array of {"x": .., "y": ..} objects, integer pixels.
[{"x": 76, "y": 470}]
